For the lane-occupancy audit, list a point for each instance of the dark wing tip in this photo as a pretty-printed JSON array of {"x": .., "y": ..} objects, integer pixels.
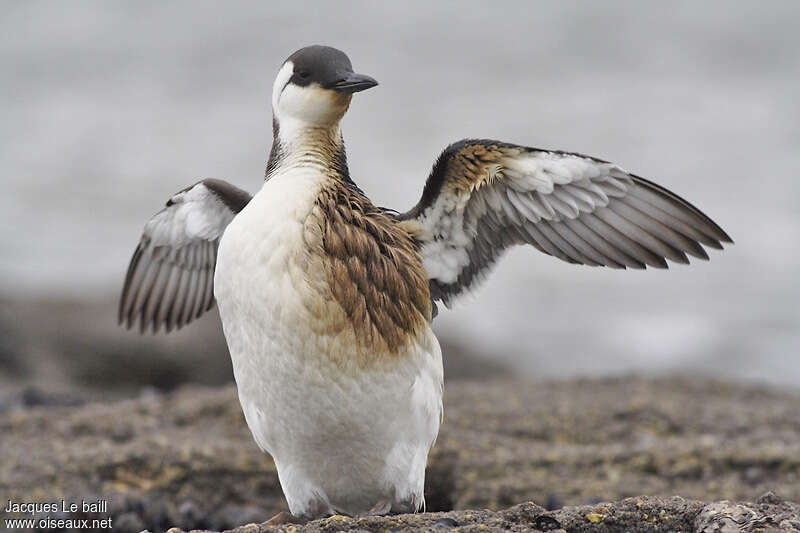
[
  {"x": 127, "y": 300},
  {"x": 725, "y": 237},
  {"x": 716, "y": 235}
]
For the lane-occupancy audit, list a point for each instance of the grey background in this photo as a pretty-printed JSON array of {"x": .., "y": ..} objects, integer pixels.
[{"x": 109, "y": 108}]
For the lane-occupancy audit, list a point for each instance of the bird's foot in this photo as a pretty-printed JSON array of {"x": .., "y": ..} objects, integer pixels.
[
  {"x": 382, "y": 508},
  {"x": 285, "y": 518}
]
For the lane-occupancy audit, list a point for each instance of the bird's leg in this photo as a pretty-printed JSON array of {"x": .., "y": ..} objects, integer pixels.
[{"x": 285, "y": 518}]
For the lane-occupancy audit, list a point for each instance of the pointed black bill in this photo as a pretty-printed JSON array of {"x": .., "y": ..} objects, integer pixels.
[{"x": 354, "y": 83}]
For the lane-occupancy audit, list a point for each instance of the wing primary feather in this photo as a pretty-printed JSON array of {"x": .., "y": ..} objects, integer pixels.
[
  {"x": 636, "y": 252},
  {"x": 144, "y": 312},
  {"x": 154, "y": 299},
  {"x": 675, "y": 242},
  {"x": 188, "y": 302},
  {"x": 170, "y": 290},
  {"x": 169, "y": 317},
  {"x": 676, "y": 224},
  {"x": 166, "y": 290},
  {"x": 144, "y": 263},
  {"x": 616, "y": 258},
  {"x": 124, "y": 301},
  {"x": 678, "y": 208},
  {"x": 649, "y": 244},
  {"x": 644, "y": 229},
  {"x": 594, "y": 257},
  {"x": 145, "y": 285}
]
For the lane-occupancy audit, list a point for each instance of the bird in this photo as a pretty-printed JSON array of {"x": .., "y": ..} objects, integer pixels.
[{"x": 327, "y": 300}]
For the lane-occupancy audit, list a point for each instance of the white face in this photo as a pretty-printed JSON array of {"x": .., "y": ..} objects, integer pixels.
[{"x": 310, "y": 105}]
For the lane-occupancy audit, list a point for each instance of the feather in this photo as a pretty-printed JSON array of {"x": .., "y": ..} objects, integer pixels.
[
  {"x": 170, "y": 276},
  {"x": 573, "y": 207}
]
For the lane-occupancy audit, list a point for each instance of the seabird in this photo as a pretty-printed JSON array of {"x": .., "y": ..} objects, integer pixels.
[{"x": 326, "y": 300}]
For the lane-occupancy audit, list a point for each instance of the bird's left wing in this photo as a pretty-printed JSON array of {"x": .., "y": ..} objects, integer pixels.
[
  {"x": 484, "y": 196},
  {"x": 170, "y": 279}
]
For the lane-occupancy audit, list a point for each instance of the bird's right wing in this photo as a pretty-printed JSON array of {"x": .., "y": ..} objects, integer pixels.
[{"x": 170, "y": 279}]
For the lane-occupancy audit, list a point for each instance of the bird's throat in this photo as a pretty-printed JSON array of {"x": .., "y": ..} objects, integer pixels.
[{"x": 297, "y": 144}]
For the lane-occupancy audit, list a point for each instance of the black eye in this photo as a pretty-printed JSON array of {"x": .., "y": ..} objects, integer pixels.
[{"x": 304, "y": 74}]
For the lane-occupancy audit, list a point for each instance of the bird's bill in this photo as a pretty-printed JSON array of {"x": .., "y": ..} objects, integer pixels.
[{"x": 354, "y": 83}]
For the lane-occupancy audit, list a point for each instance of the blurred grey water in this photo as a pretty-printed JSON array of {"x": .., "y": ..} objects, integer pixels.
[{"x": 108, "y": 108}]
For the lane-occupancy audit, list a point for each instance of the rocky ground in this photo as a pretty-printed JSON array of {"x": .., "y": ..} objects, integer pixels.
[
  {"x": 641, "y": 515},
  {"x": 185, "y": 459}
]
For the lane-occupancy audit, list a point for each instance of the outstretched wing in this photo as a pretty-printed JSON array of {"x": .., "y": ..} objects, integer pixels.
[
  {"x": 170, "y": 279},
  {"x": 484, "y": 196}
]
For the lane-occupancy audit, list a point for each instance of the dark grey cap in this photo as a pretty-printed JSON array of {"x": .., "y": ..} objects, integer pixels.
[{"x": 329, "y": 68}]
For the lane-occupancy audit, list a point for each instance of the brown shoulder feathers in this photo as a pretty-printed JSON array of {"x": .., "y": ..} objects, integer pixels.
[{"x": 373, "y": 269}]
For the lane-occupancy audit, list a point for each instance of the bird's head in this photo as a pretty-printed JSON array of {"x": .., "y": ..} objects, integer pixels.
[{"x": 314, "y": 87}]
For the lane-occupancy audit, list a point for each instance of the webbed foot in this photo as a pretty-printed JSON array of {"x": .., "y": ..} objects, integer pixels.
[
  {"x": 382, "y": 508},
  {"x": 285, "y": 518}
]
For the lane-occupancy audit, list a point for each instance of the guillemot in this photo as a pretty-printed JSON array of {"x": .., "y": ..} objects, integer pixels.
[{"x": 326, "y": 300}]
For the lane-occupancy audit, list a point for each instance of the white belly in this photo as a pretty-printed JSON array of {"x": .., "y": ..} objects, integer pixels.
[{"x": 343, "y": 438}]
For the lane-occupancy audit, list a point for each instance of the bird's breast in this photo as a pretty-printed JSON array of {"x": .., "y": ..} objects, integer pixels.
[{"x": 310, "y": 267}]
